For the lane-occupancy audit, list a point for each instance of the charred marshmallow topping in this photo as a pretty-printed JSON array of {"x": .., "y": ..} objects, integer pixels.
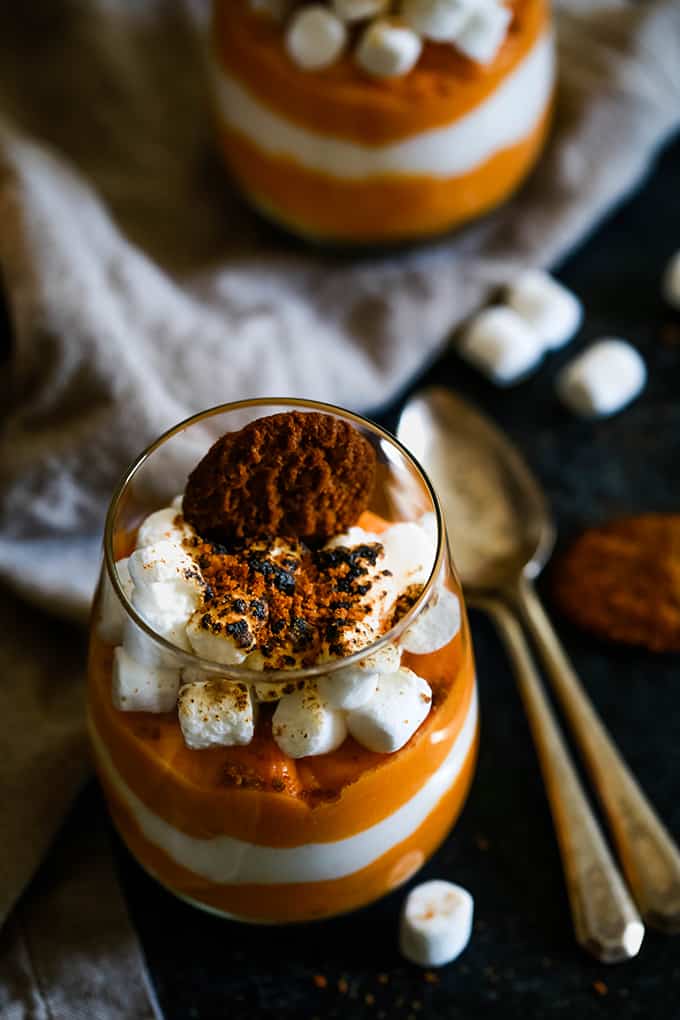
[{"x": 274, "y": 605}]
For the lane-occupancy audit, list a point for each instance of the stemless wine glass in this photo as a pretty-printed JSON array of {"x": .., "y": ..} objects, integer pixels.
[{"x": 245, "y": 831}]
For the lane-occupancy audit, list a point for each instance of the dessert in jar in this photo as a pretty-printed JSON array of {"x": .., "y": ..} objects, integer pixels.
[
  {"x": 379, "y": 121},
  {"x": 282, "y": 701}
]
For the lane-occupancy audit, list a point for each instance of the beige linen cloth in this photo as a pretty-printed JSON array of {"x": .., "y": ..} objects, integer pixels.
[{"x": 141, "y": 290}]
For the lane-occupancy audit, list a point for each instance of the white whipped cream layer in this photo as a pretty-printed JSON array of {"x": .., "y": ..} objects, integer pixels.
[
  {"x": 502, "y": 120},
  {"x": 233, "y": 861}
]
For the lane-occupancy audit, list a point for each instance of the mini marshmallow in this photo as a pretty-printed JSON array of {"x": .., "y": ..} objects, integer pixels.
[
  {"x": 436, "y": 923},
  {"x": 303, "y": 725},
  {"x": 138, "y": 688},
  {"x": 352, "y": 686},
  {"x": 483, "y": 34},
  {"x": 553, "y": 311},
  {"x": 178, "y": 502},
  {"x": 440, "y": 20},
  {"x": 276, "y": 689},
  {"x": 276, "y": 9},
  {"x": 387, "y": 49},
  {"x": 166, "y": 610},
  {"x": 216, "y": 713},
  {"x": 437, "y": 624},
  {"x": 315, "y": 37},
  {"x": 671, "y": 282},
  {"x": 163, "y": 525},
  {"x": 428, "y": 522},
  {"x": 501, "y": 344},
  {"x": 409, "y": 553},
  {"x": 356, "y": 10},
  {"x": 390, "y": 718},
  {"x": 229, "y": 645},
  {"x": 603, "y": 379},
  {"x": 111, "y": 612},
  {"x": 165, "y": 562},
  {"x": 353, "y": 536}
]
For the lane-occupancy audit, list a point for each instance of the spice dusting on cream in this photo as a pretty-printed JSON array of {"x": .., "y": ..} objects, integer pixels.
[{"x": 280, "y": 600}]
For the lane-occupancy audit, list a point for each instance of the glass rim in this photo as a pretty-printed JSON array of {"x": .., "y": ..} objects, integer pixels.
[{"x": 241, "y": 672}]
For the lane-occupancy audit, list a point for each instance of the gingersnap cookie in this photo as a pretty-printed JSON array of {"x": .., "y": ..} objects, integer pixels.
[
  {"x": 307, "y": 475},
  {"x": 622, "y": 581}
]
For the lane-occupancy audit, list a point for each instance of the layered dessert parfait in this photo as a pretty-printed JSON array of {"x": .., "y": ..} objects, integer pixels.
[
  {"x": 372, "y": 121},
  {"x": 282, "y": 700}
]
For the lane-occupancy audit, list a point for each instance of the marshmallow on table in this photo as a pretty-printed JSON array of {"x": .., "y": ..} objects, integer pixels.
[
  {"x": 387, "y": 49},
  {"x": 671, "y": 282},
  {"x": 216, "y": 713},
  {"x": 140, "y": 688},
  {"x": 303, "y": 724},
  {"x": 439, "y": 20},
  {"x": 553, "y": 311},
  {"x": 354, "y": 685},
  {"x": 603, "y": 379},
  {"x": 356, "y": 10},
  {"x": 483, "y": 33},
  {"x": 437, "y": 624},
  {"x": 315, "y": 37},
  {"x": 389, "y": 719},
  {"x": 111, "y": 612},
  {"x": 436, "y": 923},
  {"x": 501, "y": 344},
  {"x": 163, "y": 525}
]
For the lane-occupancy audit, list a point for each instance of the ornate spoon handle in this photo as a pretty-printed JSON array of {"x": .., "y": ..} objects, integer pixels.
[{"x": 606, "y": 921}]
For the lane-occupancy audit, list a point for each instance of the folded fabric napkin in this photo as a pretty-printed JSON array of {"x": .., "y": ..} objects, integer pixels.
[{"x": 140, "y": 290}]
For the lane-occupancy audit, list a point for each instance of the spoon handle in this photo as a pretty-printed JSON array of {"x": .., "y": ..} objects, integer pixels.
[
  {"x": 650, "y": 858},
  {"x": 606, "y": 921}
]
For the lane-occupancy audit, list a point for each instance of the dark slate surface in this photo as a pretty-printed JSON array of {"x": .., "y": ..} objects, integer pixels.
[{"x": 522, "y": 961}]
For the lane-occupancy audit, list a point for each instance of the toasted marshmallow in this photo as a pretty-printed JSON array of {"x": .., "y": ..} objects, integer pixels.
[
  {"x": 390, "y": 718},
  {"x": 163, "y": 525},
  {"x": 553, "y": 310},
  {"x": 437, "y": 624},
  {"x": 216, "y": 713},
  {"x": 352, "y": 686},
  {"x": 440, "y": 20},
  {"x": 276, "y": 9},
  {"x": 140, "y": 688},
  {"x": 409, "y": 553},
  {"x": 484, "y": 32},
  {"x": 670, "y": 285},
  {"x": 388, "y": 49},
  {"x": 315, "y": 37},
  {"x": 501, "y": 344},
  {"x": 356, "y": 10},
  {"x": 353, "y": 536},
  {"x": 303, "y": 725},
  {"x": 276, "y": 689},
  {"x": 436, "y": 923},
  {"x": 111, "y": 613},
  {"x": 227, "y": 640},
  {"x": 603, "y": 379}
]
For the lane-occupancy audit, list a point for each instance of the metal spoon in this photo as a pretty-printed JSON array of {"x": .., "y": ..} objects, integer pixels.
[{"x": 503, "y": 534}]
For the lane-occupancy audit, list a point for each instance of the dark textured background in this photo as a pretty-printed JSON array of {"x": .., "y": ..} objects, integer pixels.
[{"x": 522, "y": 961}]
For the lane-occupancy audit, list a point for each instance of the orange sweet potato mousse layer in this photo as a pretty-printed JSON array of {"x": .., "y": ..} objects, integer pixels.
[
  {"x": 301, "y": 901},
  {"x": 343, "y": 101},
  {"x": 395, "y": 207}
]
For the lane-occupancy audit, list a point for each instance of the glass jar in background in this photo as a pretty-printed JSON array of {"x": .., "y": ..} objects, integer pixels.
[
  {"x": 245, "y": 831},
  {"x": 339, "y": 156}
]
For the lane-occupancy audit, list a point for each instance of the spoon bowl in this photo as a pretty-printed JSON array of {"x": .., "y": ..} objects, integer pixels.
[{"x": 496, "y": 514}]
